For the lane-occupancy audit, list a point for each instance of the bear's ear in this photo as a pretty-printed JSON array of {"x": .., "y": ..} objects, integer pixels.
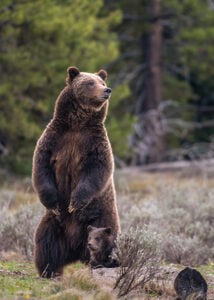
[
  {"x": 103, "y": 74},
  {"x": 90, "y": 228},
  {"x": 108, "y": 230},
  {"x": 73, "y": 72}
]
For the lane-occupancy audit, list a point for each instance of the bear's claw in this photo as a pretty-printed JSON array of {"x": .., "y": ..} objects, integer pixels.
[
  {"x": 56, "y": 212},
  {"x": 71, "y": 209}
]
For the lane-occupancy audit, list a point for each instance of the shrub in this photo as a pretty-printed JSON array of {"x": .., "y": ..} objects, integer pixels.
[
  {"x": 182, "y": 216},
  {"x": 17, "y": 228},
  {"x": 139, "y": 257}
]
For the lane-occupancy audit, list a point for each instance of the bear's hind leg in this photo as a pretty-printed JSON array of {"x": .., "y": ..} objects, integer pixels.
[{"x": 50, "y": 247}]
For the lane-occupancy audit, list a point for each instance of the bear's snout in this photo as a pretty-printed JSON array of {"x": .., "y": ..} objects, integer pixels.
[
  {"x": 107, "y": 93},
  {"x": 92, "y": 247}
]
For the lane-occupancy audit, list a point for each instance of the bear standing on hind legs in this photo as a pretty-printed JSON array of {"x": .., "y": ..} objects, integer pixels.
[{"x": 73, "y": 173}]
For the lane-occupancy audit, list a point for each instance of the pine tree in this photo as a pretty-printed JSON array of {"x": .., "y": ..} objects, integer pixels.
[
  {"x": 182, "y": 86},
  {"x": 39, "y": 40}
]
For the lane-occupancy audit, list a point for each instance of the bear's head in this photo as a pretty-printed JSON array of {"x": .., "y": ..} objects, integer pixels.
[
  {"x": 100, "y": 239},
  {"x": 89, "y": 89}
]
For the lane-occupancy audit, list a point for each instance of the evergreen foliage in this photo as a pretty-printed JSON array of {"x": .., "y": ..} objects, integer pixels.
[
  {"x": 40, "y": 39},
  {"x": 186, "y": 64},
  {"x": 188, "y": 58}
]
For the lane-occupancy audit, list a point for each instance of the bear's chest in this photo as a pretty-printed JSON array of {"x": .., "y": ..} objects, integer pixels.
[{"x": 68, "y": 158}]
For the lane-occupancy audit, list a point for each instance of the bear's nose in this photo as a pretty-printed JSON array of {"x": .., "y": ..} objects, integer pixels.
[
  {"x": 91, "y": 247},
  {"x": 108, "y": 91}
]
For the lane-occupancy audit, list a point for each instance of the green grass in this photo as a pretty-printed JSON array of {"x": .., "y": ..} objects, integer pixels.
[{"x": 20, "y": 280}]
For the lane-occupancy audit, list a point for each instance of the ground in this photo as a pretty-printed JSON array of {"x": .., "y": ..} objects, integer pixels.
[{"x": 19, "y": 279}]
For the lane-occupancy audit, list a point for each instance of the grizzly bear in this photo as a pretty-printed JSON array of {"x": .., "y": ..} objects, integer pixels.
[
  {"x": 73, "y": 173},
  {"x": 102, "y": 247}
]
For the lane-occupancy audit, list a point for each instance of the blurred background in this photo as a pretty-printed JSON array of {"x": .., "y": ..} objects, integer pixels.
[
  {"x": 160, "y": 60},
  {"x": 159, "y": 55}
]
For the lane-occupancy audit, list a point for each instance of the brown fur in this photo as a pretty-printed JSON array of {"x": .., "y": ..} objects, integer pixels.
[
  {"x": 102, "y": 247},
  {"x": 73, "y": 168}
]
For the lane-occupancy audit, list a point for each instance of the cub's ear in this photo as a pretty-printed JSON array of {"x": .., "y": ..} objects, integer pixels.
[
  {"x": 108, "y": 230},
  {"x": 103, "y": 74},
  {"x": 90, "y": 228},
  {"x": 73, "y": 72}
]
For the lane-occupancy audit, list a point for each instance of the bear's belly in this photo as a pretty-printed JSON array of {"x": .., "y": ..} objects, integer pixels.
[{"x": 67, "y": 162}]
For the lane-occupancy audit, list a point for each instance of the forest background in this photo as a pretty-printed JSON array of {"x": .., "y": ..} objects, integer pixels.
[{"x": 159, "y": 56}]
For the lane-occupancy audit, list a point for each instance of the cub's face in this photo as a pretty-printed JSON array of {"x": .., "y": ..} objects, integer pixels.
[
  {"x": 90, "y": 89},
  {"x": 99, "y": 239}
]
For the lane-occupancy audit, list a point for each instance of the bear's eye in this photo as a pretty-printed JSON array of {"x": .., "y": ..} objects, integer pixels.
[
  {"x": 97, "y": 239},
  {"x": 90, "y": 83}
]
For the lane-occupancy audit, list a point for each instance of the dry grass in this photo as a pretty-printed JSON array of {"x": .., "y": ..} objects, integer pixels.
[
  {"x": 181, "y": 213},
  {"x": 19, "y": 217},
  {"x": 176, "y": 210}
]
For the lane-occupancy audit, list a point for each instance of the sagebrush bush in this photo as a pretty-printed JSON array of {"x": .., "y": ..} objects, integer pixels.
[
  {"x": 139, "y": 255},
  {"x": 17, "y": 227},
  {"x": 182, "y": 216}
]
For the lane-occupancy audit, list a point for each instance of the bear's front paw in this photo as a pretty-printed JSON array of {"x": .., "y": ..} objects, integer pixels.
[
  {"x": 49, "y": 198},
  {"x": 76, "y": 204}
]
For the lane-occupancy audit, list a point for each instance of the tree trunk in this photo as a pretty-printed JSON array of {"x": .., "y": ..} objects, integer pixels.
[{"x": 148, "y": 140}]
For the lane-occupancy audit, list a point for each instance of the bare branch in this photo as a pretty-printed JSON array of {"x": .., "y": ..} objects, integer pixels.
[{"x": 140, "y": 259}]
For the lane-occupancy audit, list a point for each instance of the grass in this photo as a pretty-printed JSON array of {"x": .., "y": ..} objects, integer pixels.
[
  {"x": 209, "y": 269},
  {"x": 158, "y": 201},
  {"x": 19, "y": 279}
]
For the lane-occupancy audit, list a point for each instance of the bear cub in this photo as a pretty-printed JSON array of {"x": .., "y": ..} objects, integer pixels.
[{"x": 102, "y": 247}]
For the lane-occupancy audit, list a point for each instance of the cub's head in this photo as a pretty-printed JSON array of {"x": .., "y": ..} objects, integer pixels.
[
  {"x": 100, "y": 239},
  {"x": 89, "y": 89}
]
